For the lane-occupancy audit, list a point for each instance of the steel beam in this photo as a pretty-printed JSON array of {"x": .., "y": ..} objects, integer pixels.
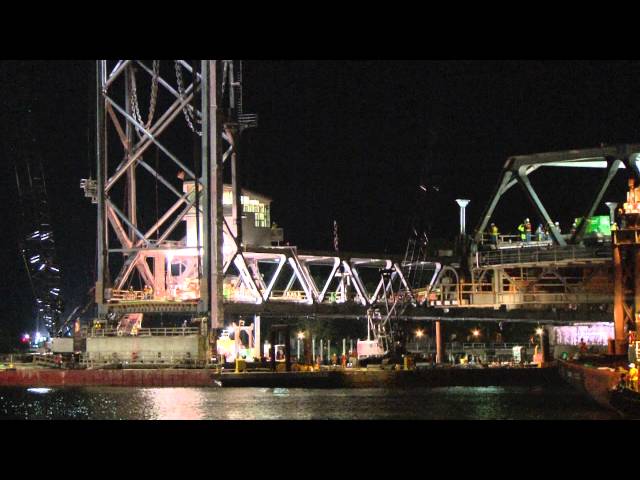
[
  {"x": 101, "y": 155},
  {"x": 614, "y": 166},
  {"x": 502, "y": 188},
  {"x": 535, "y": 200}
]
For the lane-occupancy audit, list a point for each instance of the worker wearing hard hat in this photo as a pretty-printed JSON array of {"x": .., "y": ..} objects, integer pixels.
[
  {"x": 633, "y": 377},
  {"x": 494, "y": 234},
  {"x": 528, "y": 229}
]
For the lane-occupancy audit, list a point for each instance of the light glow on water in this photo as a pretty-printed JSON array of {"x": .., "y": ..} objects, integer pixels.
[
  {"x": 553, "y": 402},
  {"x": 175, "y": 403},
  {"x": 40, "y": 391}
]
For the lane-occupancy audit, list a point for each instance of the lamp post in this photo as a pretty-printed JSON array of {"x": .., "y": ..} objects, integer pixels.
[
  {"x": 612, "y": 211},
  {"x": 463, "y": 216}
]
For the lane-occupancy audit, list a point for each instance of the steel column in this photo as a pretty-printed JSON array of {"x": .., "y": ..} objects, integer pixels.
[
  {"x": 101, "y": 154},
  {"x": 618, "y": 302},
  {"x": 439, "y": 345}
]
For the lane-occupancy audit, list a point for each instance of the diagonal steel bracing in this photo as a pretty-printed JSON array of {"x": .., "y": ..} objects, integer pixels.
[{"x": 519, "y": 168}]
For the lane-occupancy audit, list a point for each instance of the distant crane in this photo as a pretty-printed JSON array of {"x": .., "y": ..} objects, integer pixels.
[
  {"x": 37, "y": 244},
  {"x": 400, "y": 287}
]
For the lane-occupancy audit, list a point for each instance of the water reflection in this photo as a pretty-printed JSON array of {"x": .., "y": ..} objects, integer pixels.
[
  {"x": 175, "y": 403},
  {"x": 112, "y": 403}
]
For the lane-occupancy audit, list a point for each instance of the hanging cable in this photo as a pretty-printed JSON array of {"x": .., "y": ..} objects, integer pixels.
[
  {"x": 135, "y": 107},
  {"x": 187, "y": 109},
  {"x": 196, "y": 184},
  {"x": 157, "y": 208}
]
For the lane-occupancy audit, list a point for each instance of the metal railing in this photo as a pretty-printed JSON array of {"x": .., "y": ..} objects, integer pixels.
[
  {"x": 460, "y": 347},
  {"x": 130, "y": 295},
  {"x": 548, "y": 255},
  {"x": 47, "y": 360},
  {"x": 515, "y": 241},
  {"x": 171, "y": 358},
  {"x": 294, "y": 295},
  {"x": 145, "y": 332},
  {"x": 483, "y": 298}
]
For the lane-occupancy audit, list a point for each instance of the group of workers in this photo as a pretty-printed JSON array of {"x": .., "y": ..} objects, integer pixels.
[
  {"x": 147, "y": 293},
  {"x": 542, "y": 233}
]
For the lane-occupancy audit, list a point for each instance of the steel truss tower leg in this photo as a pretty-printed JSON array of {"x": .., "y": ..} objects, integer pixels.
[
  {"x": 618, "y": 302},
  {"x": 101, "y": 154},
  {"x": 211, "y": 292}
]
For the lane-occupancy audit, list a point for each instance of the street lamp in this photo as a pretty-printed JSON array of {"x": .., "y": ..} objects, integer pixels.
[
  {"x": 612, "y": 211},
  {"x": 476, "y": 333},
  {"x": 463, "y": 206}
]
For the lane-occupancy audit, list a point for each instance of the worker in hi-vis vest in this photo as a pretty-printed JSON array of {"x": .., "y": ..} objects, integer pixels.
[
  {"x": 633, "y": 377},
  {"x": 494, "y": 234}
]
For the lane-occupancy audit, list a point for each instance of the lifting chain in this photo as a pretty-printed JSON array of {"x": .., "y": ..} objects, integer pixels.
[
  {"x": 187, "y": 110},
  {"x": 135, "y": 107}
]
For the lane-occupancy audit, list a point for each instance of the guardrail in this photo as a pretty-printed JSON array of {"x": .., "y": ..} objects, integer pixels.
[
  {"x": 515, "y": 241},
  {"x": 145, "y": 332},
  {"x": 460, "y": 347},
  {"x": 93, "y": 359},
  {"x": 295, "y": 295},
  {"x": 130, "y": 295},
  {"x": 47, "y": 360},
  {"x": 544, "y": 255}
]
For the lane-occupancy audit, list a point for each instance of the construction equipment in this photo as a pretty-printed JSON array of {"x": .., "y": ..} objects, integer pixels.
[
  {"x": 37, "y": 244},
  {"x": 399, "y": 284},
  {"x": 65, "y": 327}
]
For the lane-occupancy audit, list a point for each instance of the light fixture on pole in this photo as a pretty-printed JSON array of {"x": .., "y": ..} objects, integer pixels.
[
  {"x": 612, "y": 211},
  {"x": 463, "y": 216}
]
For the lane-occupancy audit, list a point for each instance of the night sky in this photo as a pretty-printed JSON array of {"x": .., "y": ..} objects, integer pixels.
[{"x": 343, "y": 140}]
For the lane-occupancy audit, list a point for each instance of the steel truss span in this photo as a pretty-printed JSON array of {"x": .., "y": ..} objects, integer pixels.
[{"x": 169, "y": 129}]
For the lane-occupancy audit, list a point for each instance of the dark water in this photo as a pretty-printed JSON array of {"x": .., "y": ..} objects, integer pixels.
[{"x": 463, "y": 403}]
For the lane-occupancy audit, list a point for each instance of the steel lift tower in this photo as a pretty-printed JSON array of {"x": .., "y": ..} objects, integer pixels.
[{"x": 191, "y": 105}]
